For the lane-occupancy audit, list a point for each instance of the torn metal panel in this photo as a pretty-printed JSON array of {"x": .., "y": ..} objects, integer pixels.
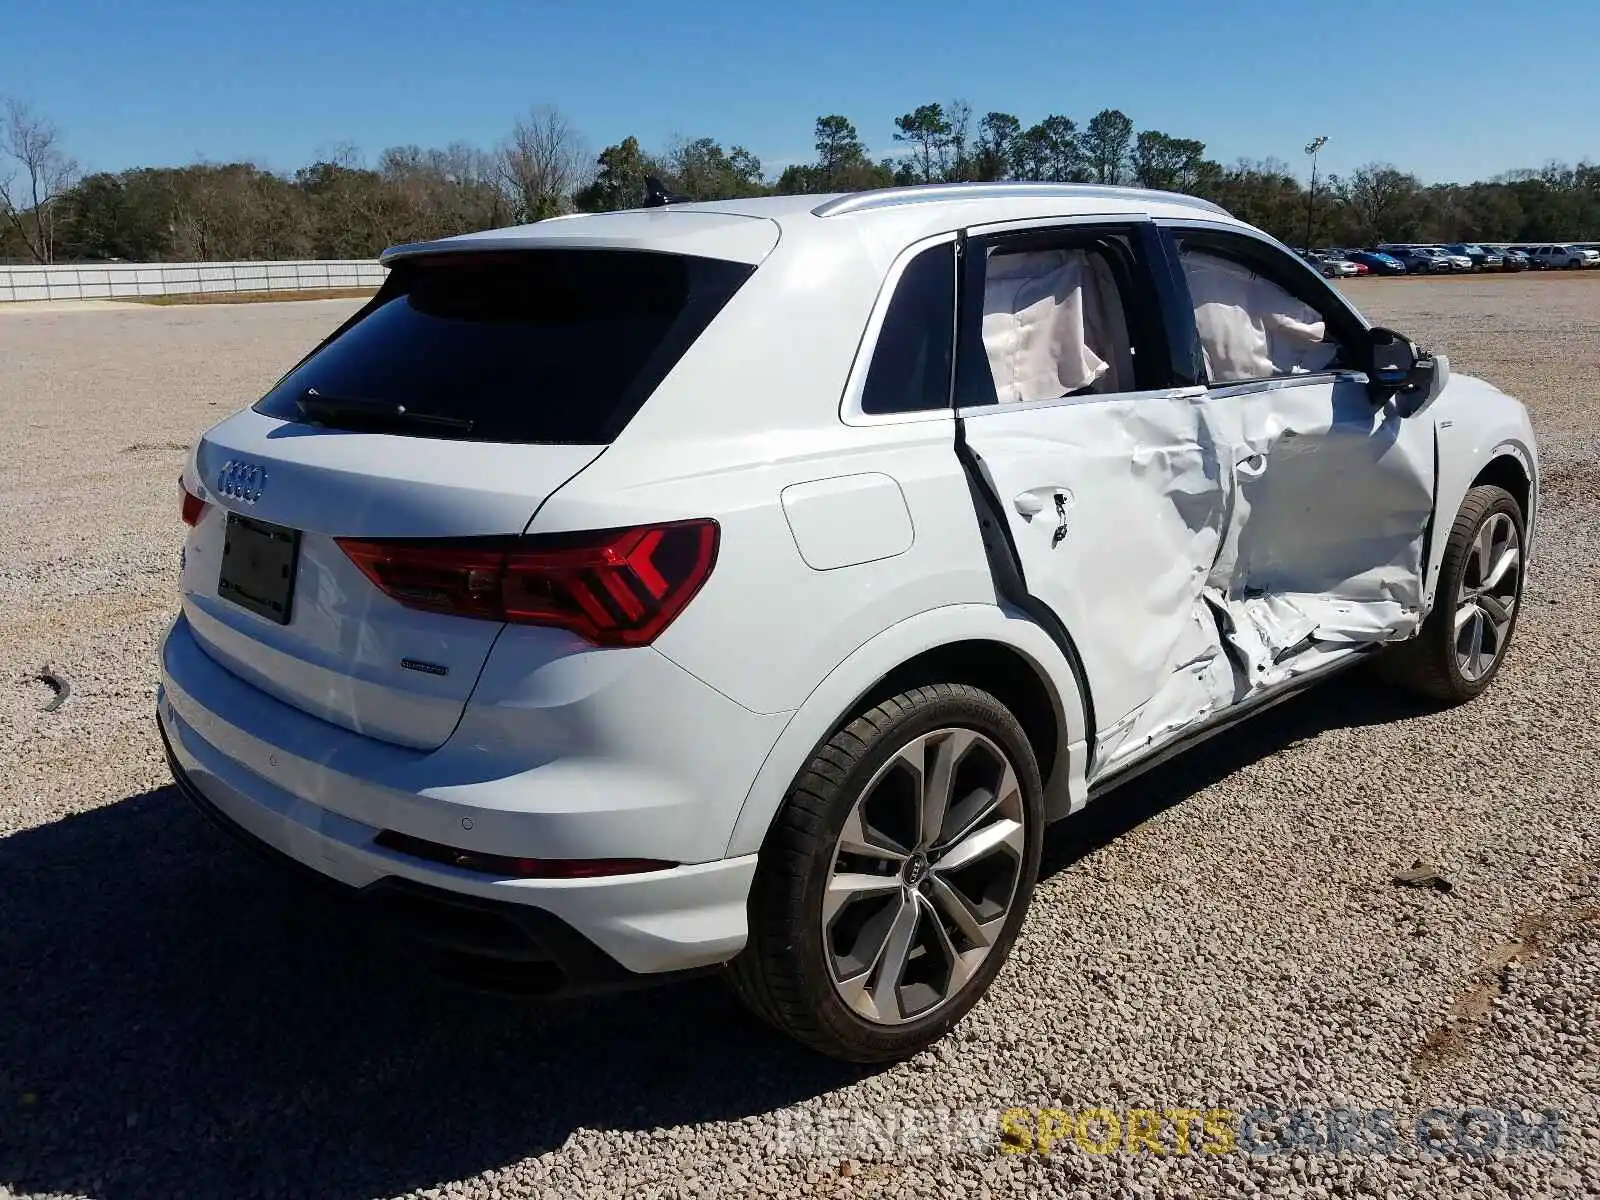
[
  {"x": 1330, "y": 503},
  {"x": 1201, "y": 549},
  {"x": 1201, "y": 683}
]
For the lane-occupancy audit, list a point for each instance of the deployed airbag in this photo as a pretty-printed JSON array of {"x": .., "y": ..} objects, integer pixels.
[
  {"x": 1250, "y": 328},
  {"x": 1050, "y": 320}
]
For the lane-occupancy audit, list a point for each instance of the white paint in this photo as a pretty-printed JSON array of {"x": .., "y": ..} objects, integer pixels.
[
  {"x": 1209, "y": 546},
  {"x": 717, "y": 234},
  {"x": 848, "y": 520},
  {"x": 340, "y": 656},
  {"x": 1214, "y": 540}
]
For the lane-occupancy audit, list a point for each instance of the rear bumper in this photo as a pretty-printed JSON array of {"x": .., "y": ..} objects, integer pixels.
[
  {"x": 239, "y": 754},
  {"x": 503, "y": 947}
]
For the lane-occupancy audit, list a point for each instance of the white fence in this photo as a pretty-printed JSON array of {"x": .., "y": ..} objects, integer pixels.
[{"x": 111, "y": 281}]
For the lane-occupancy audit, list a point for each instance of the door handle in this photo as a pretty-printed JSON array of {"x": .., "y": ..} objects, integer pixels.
[
  {"x": 1031, "y": 504},
  {"x": 1252, "y": 467}
]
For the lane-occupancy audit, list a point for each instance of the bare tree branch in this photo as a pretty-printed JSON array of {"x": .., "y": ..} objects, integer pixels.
[
  {"x": 48, "y": 173},
  {"x": 543, "y": 162}
]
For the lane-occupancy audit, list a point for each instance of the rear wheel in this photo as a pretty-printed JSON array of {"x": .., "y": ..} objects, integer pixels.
[
  {"x": 896, "y": 876},
  {"x": 1463, "y": 642}
]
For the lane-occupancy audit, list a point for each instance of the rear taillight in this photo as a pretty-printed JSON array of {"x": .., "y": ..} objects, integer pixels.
[
  {"x": 192, "y": 508},
  {"x": 617, "y": 587}
]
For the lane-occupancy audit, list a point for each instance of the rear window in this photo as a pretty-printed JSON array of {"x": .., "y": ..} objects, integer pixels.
[{"x": 536, "y": 346}]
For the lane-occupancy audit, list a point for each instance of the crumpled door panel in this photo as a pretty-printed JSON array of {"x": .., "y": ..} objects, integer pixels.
[
  {"x": 1117, "y": 509},
  {"x": 1331, "y": 500},
  {"x": 1208, "y": 547}
]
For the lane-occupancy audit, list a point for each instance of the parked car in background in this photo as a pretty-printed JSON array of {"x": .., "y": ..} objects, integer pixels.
[
  {"x": 1378, "y": 262},
  {"x": 507, "y": 614},
  {"x": 1419, "y": 260},
  {"x": 1512, "y": 259},
  {"x": 1339, "y": 255},
  {"x": 1482, "y": 258},
  {"x": 1564, "y": 255},
  {"x": 1318, "y": 264},
  {"x": 1457, "y": 262},
  {"x": 1328, "y": 265}
]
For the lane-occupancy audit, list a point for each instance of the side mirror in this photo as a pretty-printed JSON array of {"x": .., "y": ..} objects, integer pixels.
[
  {"x": 1391, "y": 359},
  {"x": 1396, "y": 366}
]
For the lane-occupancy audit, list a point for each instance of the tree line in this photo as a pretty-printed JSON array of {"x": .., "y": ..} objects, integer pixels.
[{"x": 343, "y": 206}]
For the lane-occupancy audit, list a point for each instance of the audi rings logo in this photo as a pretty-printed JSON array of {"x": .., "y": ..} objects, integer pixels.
[{"x": 241, "y": 480}]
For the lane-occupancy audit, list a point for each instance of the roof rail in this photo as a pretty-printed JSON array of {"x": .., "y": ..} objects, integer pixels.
[{"x": 934, "y": 193}]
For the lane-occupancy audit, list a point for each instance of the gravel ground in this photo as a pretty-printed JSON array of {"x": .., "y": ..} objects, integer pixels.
[{"x": 1224, "y": 935}]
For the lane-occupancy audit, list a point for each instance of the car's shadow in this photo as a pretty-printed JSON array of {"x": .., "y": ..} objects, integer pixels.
[
  {"x": 1351, "y": 699},
  {"x": 176, "y": 1021}
]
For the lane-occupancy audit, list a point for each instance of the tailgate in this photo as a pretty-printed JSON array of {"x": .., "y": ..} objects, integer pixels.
[
  {"x": 348, "y": 653},
  {"x": 472, "y": 387}
]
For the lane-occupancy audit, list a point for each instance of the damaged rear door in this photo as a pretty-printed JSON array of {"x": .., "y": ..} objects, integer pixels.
[
  {"x": 1096, "y": 447},
  {"x": 1332, "y": 488}
]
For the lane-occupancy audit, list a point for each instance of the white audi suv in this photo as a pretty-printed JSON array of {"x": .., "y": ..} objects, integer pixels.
[{"x": 744, "y": 586}]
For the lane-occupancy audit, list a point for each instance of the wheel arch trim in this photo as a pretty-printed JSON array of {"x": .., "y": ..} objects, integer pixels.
[
  {"x": 1464, "y": 456},
  {"x": 1514, "y": 451},
  {"x": 834, "y": 699}
]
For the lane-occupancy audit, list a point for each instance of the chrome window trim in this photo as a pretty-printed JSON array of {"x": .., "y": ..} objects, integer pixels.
[
  {"x": 983, "y": 410},
  {"x": 1278, "y": 383},
  {"x": 1045, "y": 224}
]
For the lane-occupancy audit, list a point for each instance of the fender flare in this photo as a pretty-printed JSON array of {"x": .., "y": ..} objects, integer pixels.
[
  {"x": 834, "y": 698},
  {"x": 1513, "y": 449}
]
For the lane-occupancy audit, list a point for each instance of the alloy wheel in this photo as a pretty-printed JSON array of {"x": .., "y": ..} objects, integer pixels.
[
  {"x": 924, "y": 876},
  {"x": 1486, "y": 600}
]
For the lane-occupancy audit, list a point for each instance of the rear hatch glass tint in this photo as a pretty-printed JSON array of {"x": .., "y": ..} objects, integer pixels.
[{"x": 541, "y": 346}]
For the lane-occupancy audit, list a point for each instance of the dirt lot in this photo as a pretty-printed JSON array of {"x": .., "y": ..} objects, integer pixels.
[{"x": 174, "y": 1022}]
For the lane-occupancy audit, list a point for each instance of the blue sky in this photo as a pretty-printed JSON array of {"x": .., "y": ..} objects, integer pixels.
[{"x": 1423, "y": 85}]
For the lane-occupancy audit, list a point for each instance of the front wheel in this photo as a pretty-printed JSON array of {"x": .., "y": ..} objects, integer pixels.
[
  {"x": 1463, "y": 642},
  {"x": 896, "y": 876}
]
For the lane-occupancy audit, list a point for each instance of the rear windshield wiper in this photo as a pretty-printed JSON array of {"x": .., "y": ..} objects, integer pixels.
[{"x": 344, "y": 412}]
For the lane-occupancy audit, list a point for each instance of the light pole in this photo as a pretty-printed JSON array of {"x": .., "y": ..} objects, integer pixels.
[{"x": 1312, "y": 147}]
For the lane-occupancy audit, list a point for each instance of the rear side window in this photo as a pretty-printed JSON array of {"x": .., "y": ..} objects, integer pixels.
[
  {"x": 910, "y": 369},
  {"x": 1054, "y": 325},
  {"x": 1053, "y": 314},
  {"x": 535, "y": 346}
]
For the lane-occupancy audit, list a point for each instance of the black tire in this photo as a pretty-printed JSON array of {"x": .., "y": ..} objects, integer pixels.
[
  {"x": 1428, "y": 664},
  {"x": 783, "y": 974}
]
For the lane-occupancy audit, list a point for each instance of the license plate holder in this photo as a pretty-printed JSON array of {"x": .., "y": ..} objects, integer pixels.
[{"x": 259, "y": 563}]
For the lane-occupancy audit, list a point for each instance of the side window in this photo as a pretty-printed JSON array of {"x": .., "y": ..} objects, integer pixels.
[
  {"x": 1049, "y": 316},
  {"x": 910, "y": 370},
  {"x": 1259, "y": 318}
]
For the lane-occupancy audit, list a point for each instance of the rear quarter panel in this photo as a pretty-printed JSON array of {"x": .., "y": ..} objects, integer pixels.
[{"x": 753, "y": 409}]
